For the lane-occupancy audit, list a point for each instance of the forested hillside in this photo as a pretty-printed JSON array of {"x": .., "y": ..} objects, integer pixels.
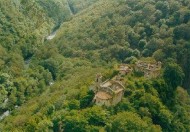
[
  {"x": 44, "y": 85},
  {"x": 129, "y": 30}
]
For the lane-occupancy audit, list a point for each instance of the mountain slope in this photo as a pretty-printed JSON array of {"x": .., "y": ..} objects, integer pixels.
[
  {"x": 22, "y": 31},
  {"x": 126, "y": 30},
  {"x": 23, "y": 28},
  {"x": 53, "y": 93}
]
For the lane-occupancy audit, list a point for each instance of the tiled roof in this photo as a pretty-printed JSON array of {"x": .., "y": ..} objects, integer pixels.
[
  {"x": 119, "y": 90},
  {"x": 103, "y": 95},
  {"x": 106, "y": 84}
]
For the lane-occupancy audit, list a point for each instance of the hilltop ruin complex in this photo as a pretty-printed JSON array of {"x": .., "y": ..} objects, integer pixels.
[
  {"x": 124, "y": 69},
  {"x": 150, "y": 69},
  {"x": 111, "y": 91}
]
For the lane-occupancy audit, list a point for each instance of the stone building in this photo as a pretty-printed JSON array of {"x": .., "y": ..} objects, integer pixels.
[
  {"x": 108, "y": 93},
  {"x": 150, "y": 69},
  {"x": 124, "y": 69}
]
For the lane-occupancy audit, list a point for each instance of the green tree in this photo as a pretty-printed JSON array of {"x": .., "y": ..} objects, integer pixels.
[
  {"x": 142, "y": 43},
  {"x": 44, "y": 126},
  {"x": 127, "y": 121},
  {"x": 96, "y": 116},
  {"x": 159, "y": 55},
  {"x": 86, "y": 100},
  {"x": 163, "y": 6},
  {"x": 74, "y": 104},
  {"x": 74, "y": 122},
  {"x": 173, "y": 75}
]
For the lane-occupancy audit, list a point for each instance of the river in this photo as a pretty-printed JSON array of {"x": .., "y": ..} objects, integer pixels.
[
  {"x": 51, "y": 36},
  {"x": 5, "y": 114}
]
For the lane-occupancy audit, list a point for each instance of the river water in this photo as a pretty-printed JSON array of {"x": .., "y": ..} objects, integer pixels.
[
  {"x": 5, "y": 114},
  {"x": 51, "y": 36}
]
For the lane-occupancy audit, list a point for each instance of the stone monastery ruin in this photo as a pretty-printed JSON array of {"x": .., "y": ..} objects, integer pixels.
[
  {"x": 108, "y": 93},
  {"x": 150, "y": 69},
  {"x": 111, "y": 91}
]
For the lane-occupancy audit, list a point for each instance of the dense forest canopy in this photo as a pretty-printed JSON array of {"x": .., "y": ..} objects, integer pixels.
[{"x": 44, "y": 84}]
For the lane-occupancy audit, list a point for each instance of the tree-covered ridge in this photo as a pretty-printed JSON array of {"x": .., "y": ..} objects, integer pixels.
[
  {"x": 22, "y": 31},
  {"x": 58, "y": 10},
  {"x": 47, "y": 84},
  {"x": 67, "y": 106},
  {"x": 79, "y": 5},
  {"x": 126, "y": 30},
  {"x": 23, "y": 28},
  {"x": 63, "y": 10}
]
